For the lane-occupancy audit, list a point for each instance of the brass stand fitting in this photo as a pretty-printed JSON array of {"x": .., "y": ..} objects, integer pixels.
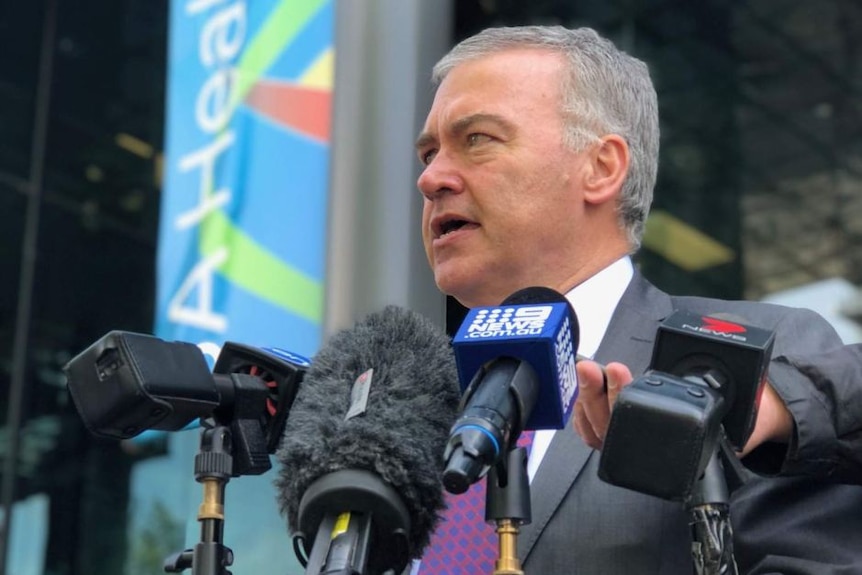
[
  {"x": 212, "y": 506},
  {"x": 507, "y": 563}
]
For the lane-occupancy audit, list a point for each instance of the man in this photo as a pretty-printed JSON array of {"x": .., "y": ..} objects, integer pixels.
[{"x": 540, "y": 155}]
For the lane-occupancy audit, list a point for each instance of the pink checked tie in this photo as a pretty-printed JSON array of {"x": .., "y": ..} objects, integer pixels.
[{"x": 463, "y": 543}]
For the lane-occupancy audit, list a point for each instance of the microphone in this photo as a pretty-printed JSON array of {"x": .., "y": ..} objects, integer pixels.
[
  {"x": 700, "y": 397},
  {"x": 126, "y": 383},
  {"x": 519, "y": 359},
  {"x": 360, "y": 456},
  {"x": 703, "y": 388}
]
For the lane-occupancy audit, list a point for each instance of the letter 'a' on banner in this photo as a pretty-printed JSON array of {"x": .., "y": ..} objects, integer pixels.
[{"x": 242, "y": 229}]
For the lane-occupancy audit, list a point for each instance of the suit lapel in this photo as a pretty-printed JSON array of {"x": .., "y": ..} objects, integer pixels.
[
  {"x": 631, "y": 332},
  {"x": 629, "y": 340}
]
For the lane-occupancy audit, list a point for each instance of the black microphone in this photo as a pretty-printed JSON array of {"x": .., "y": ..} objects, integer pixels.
[
  {"x": 126, "y": 383},
  {"x": 361, "y": 467},
  {"x": 703, "y": 387},
  {"x": 519, "y": 359}
]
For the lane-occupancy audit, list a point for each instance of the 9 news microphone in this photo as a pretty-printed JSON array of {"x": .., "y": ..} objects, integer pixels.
[
  {"x": 519, "y": 359},
  {"x": 361, "y": 466}
]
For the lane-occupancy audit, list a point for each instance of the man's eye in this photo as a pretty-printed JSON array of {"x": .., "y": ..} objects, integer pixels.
[
  {"x": 477, "y": 138},
  {"x": 427, "y": 156}
]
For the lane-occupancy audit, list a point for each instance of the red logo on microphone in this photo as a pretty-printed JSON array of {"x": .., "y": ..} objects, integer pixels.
[{"x": 721, "y": 326}]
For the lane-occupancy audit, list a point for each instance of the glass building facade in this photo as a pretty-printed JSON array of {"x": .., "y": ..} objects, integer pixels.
[{"x": 759, "y": 196}]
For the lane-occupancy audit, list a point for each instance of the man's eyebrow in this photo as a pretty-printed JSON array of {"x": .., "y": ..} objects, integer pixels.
[
  {"x": 425, "y": 139},
  {"x": 461, "y": 125}
]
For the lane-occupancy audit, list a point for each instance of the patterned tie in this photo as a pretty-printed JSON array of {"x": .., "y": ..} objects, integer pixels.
[{"x": 463, "y": 543}]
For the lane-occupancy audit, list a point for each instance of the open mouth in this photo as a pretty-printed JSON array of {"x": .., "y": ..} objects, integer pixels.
[
  {"x": 452, "y": 226},
  {"x": 446, "y": 224}
]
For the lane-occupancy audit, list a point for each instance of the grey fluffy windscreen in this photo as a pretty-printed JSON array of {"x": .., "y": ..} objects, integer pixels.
[{"x": 401, "y": 437}]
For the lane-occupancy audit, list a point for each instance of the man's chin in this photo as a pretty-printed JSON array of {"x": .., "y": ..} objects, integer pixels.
[
  {"x": 469, "y": 296},
  {"x": 459, "y": 287}
]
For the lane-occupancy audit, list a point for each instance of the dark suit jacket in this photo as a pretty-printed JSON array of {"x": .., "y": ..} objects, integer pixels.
[{"x": 787, "y": 525}]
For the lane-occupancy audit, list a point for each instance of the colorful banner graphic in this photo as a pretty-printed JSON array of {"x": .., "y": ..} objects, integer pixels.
[
  {"x": 241, "y": 253},
  {"x": 242, "y": 236}
]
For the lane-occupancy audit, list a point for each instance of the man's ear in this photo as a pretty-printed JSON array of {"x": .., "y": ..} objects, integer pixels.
[{"x": 609, "y": 164}]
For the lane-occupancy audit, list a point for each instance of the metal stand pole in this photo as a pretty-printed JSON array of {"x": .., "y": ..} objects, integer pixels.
[
  {"x": 213, "y": 469},
  {"x": 709, "y": 517},
  {"x": 508, "y": 504}
]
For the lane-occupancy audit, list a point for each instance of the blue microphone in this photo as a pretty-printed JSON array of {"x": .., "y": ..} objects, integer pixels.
[{"x": 516, "y": 366}]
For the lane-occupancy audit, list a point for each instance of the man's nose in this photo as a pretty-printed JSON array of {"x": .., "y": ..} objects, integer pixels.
[{"x": 439, "y": 176}]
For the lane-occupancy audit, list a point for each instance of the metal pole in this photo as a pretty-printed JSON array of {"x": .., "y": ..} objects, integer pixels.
[{"x": 28, "y": 268}]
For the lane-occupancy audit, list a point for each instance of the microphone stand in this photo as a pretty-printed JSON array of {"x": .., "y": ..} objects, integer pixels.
[
  {"x": 507, "y": 502},
  {"x": 708, "y": 507},
  {"x": 213, "y": 469}
]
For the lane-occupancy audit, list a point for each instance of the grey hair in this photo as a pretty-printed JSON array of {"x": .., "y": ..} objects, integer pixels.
[{"x": 606, "y": 91}]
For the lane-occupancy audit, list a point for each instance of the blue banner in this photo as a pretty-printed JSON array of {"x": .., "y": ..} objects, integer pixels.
[
  {"x": 242, "y": 235},
  {"x": 241, "y": 253}
]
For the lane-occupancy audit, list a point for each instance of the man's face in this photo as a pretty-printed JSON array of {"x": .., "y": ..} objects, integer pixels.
[{"x": 502, "y": 207}]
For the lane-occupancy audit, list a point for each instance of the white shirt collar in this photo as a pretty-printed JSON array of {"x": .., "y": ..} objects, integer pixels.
[{"x": 595, "y": 301}]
